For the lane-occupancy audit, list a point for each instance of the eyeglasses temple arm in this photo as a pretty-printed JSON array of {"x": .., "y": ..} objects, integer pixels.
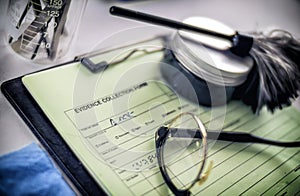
[
  {"x": 229, "y": 136},
  {"x": 249, "y": 138}
]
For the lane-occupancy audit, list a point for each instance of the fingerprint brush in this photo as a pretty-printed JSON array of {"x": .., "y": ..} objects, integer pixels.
[{"x": 275, "y": 79}]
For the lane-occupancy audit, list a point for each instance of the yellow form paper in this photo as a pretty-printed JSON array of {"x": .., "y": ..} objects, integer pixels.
[{"x": 109, "y": 121}]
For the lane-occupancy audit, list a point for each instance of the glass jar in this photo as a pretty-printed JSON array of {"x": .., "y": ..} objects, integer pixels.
[{"x": 42, "y": 30}]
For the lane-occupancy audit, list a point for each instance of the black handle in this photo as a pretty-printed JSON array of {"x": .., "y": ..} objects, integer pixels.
[
  {"x": 140, "y": 16},
  {"x": 241, "y": 44},
  {"x": 226, "y": 136}
]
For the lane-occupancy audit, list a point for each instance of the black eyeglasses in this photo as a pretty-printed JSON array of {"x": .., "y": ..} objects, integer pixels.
[{"x": 181, "y": 145}]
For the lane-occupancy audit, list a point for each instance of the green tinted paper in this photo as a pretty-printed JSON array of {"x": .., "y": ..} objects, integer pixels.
[{"x": 109, "y": 121}]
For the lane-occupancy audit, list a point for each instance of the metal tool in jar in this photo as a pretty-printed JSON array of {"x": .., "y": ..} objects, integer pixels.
[{"x": 41, "y": 28}]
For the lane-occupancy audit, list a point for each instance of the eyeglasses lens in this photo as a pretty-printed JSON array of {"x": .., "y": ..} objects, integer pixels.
[{"x": 182, "y": 153}]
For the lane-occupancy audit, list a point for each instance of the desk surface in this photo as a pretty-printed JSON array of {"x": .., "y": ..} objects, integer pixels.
[{"x": 98, "y": 27}]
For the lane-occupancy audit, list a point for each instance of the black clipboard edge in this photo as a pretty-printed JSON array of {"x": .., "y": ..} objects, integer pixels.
[{"x": 21, "y": 100}]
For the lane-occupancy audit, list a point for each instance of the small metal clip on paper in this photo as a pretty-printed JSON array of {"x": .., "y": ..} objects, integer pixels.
[{"x": 97, "y": 67}]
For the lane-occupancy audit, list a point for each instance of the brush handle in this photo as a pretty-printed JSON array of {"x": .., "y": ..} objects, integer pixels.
[
  {"x": 241, "y": 44},
  {"x": 140, "y": 16}
]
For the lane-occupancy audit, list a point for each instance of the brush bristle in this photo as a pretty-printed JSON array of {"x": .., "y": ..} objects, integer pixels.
[{"x": 275, "y": 80}]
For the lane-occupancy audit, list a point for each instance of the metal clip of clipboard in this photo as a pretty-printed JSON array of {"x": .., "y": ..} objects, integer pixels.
[{"x": 96, "y": 67}]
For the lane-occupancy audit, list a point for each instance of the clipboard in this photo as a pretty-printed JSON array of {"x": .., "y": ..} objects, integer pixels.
[
  {"x": 28, "y": 109},
  {"x": 24, "y": 103}
]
